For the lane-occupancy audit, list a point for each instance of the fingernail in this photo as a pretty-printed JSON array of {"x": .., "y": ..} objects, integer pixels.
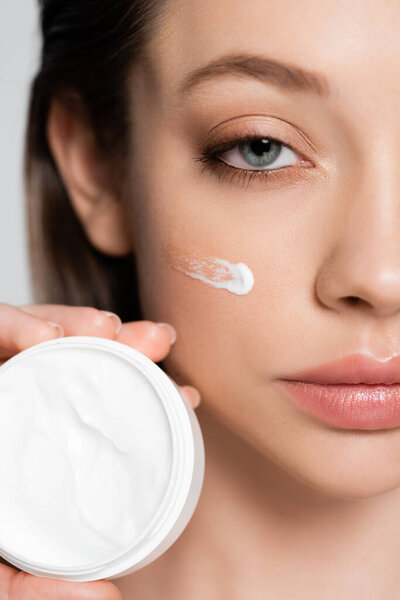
[
  {"x": 58, "y": 327},
  {"x": 171, "y": 331},
  {"x": 117, "y": 321},
  {"x": 193, "y": 394}
]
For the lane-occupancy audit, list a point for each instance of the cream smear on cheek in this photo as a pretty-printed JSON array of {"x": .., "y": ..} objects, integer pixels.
[{"x": 234, "y": 277}]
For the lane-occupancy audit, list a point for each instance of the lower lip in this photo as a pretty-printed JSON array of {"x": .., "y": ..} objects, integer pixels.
[{"x": 349, "y": 406}]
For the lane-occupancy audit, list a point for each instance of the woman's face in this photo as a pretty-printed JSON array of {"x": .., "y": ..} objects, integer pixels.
[{"x": 322, "y": 228}]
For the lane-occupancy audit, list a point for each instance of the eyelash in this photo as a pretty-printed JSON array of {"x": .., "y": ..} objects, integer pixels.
[{"x": 225, "y": 171}]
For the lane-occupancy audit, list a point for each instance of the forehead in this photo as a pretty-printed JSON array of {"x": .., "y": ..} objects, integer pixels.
[{"x": 340, "y": 39}]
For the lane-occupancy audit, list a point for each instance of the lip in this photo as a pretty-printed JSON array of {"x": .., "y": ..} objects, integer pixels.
[
  {"x": 357, "y": 391},
  {"x": 354, "y": 368}
]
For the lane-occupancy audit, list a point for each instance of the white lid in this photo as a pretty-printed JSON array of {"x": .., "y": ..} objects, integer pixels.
[{"x": 101, "y": 459}]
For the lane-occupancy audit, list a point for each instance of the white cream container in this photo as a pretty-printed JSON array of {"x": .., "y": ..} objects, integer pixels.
[{"x": 101, "y": 459}]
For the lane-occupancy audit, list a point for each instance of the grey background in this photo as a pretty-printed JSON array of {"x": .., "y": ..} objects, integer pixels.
[{"x": 19, "y": 50}]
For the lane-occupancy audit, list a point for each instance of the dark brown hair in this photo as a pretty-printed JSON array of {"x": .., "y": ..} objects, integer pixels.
[{"x": 88, "y": 47}]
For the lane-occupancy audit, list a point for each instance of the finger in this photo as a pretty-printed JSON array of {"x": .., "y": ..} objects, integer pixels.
[
  {"x": 77, "y": 320},
  {"x": 152, "y": 339},
  {"x": 19, "y": 330},
  {"x": 143, "y": 336},
  {"x": 18, "y": 585},
  {"x": 191, "y": 393}
]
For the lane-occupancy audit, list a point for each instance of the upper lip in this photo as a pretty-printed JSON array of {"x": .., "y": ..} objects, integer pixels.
[{"x": 353, "y": 368}]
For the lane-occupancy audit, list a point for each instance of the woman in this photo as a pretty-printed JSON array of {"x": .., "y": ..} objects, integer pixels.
[{"x": 231, "y": 169}]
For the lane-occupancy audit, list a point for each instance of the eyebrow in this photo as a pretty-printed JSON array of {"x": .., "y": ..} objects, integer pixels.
[{"x": 270, "y": 71}]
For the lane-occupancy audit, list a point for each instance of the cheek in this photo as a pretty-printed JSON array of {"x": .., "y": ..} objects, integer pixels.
[
  {"x": 228, "y": 283},
  {"x": 225, "y": 267},
  {"x": 190, "y": 245}
]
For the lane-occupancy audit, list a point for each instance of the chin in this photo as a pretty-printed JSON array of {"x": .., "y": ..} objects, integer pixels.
[
  {"x": 359, "y": 486},
  {"x": 356, "y": 465}
]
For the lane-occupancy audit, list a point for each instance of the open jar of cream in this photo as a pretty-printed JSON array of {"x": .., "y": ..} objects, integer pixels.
[{"x": 101, "y": 459}]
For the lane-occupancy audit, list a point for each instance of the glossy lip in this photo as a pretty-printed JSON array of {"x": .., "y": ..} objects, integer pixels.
[
  {"x": 353, "y": 368},
  {"x": 355, "y": 392}
]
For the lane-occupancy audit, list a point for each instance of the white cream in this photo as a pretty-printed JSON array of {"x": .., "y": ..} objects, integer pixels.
[
  {"x": 84, "y": 465},
  {"x": 236, "y": 278}
]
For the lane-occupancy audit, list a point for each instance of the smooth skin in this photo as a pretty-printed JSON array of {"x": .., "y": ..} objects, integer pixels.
[{"x": 290, "y": 507}]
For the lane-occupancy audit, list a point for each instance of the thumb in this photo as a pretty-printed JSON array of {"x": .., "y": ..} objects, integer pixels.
[{"x": 18, "y": 585}]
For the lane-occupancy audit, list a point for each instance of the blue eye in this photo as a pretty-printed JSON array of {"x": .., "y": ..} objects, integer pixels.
[
  {"x": 249, "y": 158},
  {"x": 260, "y": 154}
]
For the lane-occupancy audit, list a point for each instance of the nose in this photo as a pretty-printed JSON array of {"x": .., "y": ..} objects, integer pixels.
[{"x": 360, "y": 270}]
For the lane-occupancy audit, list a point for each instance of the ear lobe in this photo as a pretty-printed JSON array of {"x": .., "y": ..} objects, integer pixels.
[{"x": 87, "y": 179}]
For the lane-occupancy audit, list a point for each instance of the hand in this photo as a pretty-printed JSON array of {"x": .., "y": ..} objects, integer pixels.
[
  {"x": 18, "y": 585},
  {"x": 25, "y": 326}
]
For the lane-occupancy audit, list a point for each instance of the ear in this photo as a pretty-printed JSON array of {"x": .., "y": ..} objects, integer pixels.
[{"x": 88, "y": 181}]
